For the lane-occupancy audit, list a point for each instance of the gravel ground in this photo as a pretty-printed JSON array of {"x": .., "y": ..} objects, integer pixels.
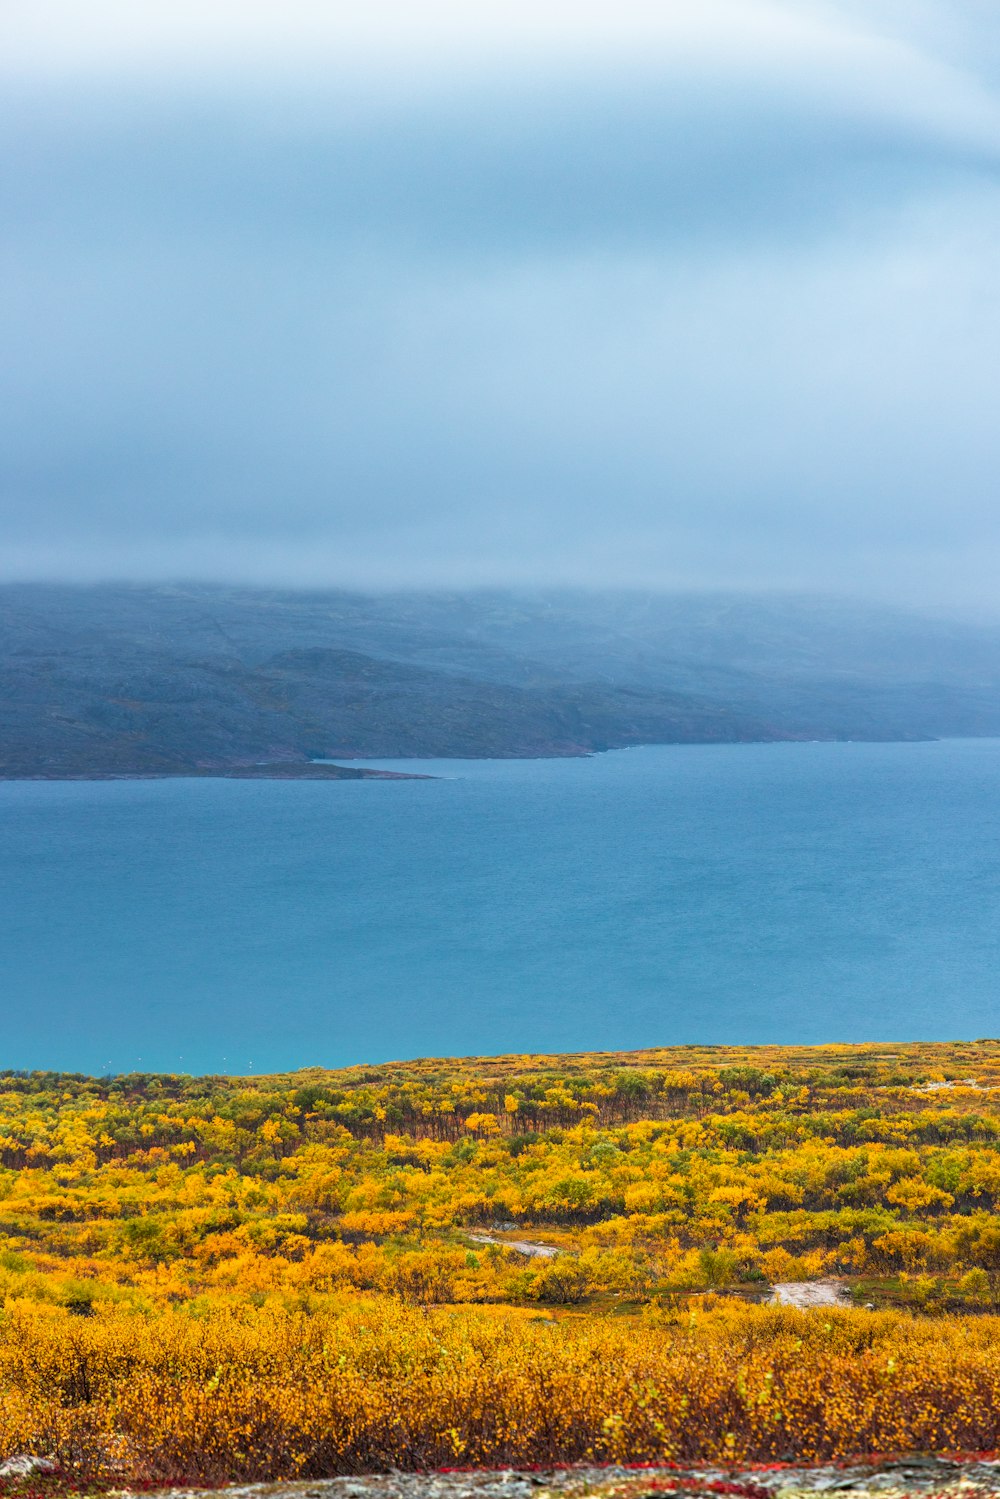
[{"x": 912, "y": 1476}]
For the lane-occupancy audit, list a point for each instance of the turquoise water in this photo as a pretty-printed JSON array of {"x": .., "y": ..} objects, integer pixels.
[{"x": 742, "y": 893}]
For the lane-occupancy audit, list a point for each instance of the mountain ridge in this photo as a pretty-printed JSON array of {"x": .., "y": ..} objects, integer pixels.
[{"x": 147, "y": 679}]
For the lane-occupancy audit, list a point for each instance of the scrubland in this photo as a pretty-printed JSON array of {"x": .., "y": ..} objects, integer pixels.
[{"x": 219, "y": 1278}]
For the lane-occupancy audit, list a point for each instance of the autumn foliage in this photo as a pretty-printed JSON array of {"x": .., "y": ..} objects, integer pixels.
[
  {"x": 375, "y": 1384},
  {"x": 247, "y": 1278}
]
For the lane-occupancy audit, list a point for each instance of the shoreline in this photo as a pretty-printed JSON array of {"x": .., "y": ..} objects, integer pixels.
[
  {"x": 293, "y": 771},
  {"x": 323, "y": 770}
]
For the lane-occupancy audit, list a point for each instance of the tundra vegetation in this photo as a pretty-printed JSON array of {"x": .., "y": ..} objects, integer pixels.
[{"x": 231, "y": 1278}]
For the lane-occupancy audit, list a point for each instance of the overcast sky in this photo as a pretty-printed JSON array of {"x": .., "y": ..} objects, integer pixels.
[{"x": 692, "y": 293}]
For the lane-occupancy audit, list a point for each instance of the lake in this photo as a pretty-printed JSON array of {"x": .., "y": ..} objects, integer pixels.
[{"x": 684, "y": 893}]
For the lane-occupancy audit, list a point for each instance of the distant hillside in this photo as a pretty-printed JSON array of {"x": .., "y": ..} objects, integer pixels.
[{"x": 118, "y": 679}]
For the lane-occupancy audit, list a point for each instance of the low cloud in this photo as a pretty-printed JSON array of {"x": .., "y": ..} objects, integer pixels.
[{"x": 702, "y": 303}]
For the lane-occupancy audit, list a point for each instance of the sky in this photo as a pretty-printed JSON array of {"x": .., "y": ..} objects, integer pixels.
[{"x": 695, "y": 293}]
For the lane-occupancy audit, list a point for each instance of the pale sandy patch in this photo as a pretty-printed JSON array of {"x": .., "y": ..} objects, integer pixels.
[{"x": 806, "y": 1293}]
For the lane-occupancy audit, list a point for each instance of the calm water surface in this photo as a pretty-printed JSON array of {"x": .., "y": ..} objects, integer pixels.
[{"x": 737, "y": 893}]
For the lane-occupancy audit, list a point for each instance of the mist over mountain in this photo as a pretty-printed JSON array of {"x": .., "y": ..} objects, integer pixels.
[
  {"x": 119, "y": 679},
  {"x": 632, "y": 295}
]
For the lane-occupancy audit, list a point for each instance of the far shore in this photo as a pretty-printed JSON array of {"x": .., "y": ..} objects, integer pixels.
[{"x": 291, "y": 770}]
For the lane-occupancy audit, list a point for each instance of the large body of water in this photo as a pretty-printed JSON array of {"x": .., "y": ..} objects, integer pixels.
[{"x": 744, "y": 893}]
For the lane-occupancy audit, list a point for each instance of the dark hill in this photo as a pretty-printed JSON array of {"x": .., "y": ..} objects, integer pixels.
[
  {"x": 120, "y": 709},
  {"x": 146, "y": 679}
]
